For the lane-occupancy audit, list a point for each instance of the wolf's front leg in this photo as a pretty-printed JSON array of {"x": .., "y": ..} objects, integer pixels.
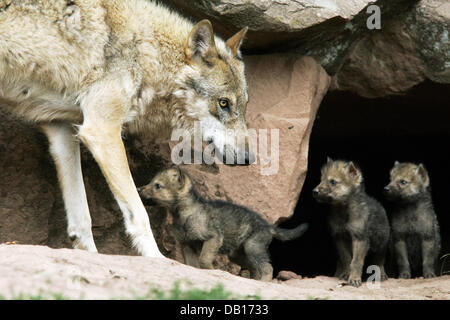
[
  {"x": 106, "y": 145},
  {"x": 359, "y": 249},
  {"x": 65, "y": 149},
  {"x": 209, "y": 251},
  {"x": 344, "y": 258},
  {"x": 105, "y": 108},
  {"x": 428, "y": 256},
  {"x": 401, "y": 255},
  {"x": 190, "y": 256}
]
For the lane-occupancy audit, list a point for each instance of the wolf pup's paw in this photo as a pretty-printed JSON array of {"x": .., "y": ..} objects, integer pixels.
[
  {"x": 342, "y": 275},
  {"x": 405, "y": 275},
  {"x": 429, "y": 275},
  {"x": 354, "y": 281}
]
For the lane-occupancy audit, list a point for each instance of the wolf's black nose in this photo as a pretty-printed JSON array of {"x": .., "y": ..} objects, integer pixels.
[
  {"x": 315, "y": 192},
  {"x": 387, "y": 189}
]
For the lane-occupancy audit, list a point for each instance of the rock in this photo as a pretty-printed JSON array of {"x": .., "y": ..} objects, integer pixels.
[
  {"x": 285, "y": 92},
  {"x": 288, "y": 275},
  {"x": 275, "y": 16},
  {"x": 323, "y": 29},
  {"x": 407, "y": 50}
]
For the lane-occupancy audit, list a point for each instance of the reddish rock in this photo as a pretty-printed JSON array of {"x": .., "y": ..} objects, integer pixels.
[{"x": 287, "y": 275}]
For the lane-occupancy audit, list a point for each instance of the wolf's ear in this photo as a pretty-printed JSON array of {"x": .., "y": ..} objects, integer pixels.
[
  {"x": 180, "y": 178},
  {"x": 234, "y": 43},
  {"x": 329, "y": 160},
  {"x": 396, "y": 163},
  {"x": 422, "y": 173},
  {"x": 352, "y": 169},
  {"x": 200, "y": 46}
]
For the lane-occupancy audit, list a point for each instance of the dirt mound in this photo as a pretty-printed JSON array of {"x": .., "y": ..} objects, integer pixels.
[{"x": 31, "y": 270}]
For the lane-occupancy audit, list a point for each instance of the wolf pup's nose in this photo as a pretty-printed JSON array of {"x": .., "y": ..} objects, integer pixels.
[
  {"x": 387, "y": 189},
  {"x": 315, "y": 192}
]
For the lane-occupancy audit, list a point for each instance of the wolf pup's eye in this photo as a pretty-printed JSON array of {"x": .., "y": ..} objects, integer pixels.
[
  {"x": 403, "y": 182},
  {"x": 157, "y": 186},
  {"x": 224, "y": 103},
  {"x": 333, "y": 182}
]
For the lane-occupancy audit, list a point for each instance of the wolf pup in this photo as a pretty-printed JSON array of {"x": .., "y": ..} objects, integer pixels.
[
  {"x": 212, "y": 226},
  {"x": 358, "y": 222},
  {"x": 87, "y": 70},
  {"x": 415, "y": 229}
]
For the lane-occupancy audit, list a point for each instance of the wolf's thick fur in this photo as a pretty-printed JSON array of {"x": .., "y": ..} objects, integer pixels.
[
  {"x": 357, "y": 221},
  {"x": 415, "y": 229},
  {"x": 212, "y": 227},
  {"x": 103, "y": 66}
]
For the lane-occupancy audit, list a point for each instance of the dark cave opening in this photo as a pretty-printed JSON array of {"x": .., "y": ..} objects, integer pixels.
[{"x": 413, "y": 127}]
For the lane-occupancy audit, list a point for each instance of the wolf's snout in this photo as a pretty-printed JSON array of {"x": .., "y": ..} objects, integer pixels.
[
  {"x": 387, "y": 189},
  {"x": 141, "y": 192},
  {"x": 315, "y": 192}
]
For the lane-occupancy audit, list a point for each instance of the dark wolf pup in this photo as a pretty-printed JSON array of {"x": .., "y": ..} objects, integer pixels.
[
  {"x": 357, "y": 221},
  {"x": 415, "y": 229},
  {"x": 208, "y": 227}
]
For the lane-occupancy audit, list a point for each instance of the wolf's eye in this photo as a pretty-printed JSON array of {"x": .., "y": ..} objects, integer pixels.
[
  {"x": 224, "y": 103},
  {"x": 403, "y": 182},
  {"x": 333, "y": 182},
  {"x": 157, "y": 186}
]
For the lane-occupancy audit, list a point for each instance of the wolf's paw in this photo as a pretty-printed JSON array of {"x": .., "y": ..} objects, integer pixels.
[
  {"x": 405, "y": 275},
  {"x": 354, "y": 281},
  {"x": 342, "y": 274},
  {"x": 429, "y": 275}
]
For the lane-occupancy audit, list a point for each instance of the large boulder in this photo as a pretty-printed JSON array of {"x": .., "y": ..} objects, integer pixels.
[
  {"x": 407, "y": 50},
  {"x": 411, "y": 46},
  {"x": 323, "y": 29}
]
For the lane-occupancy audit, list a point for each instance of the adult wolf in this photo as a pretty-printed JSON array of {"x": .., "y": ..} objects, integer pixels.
[{"x": 88, "y": 69}]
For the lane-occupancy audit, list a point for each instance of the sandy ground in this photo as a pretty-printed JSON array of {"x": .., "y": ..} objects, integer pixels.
[{"x": 77, "y": 274}]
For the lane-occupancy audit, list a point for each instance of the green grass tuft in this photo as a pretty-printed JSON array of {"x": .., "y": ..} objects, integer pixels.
[{"x": 218, "y": 292}]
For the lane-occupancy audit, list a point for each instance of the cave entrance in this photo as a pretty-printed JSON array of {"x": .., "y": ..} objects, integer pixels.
[{"x": 374, "y": 133}]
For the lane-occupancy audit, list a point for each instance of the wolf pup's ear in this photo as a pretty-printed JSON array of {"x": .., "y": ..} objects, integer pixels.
[
  {"x": 234, "y": 43},
  {"x": 180, "y": 178},
  {"x": 422, "y": 173},
  {"x": 329, "y": 160},
  {"x": 396, "y": 163},
  {"x": 352, "y": 169},
  {"x": 200, "y": 46}
]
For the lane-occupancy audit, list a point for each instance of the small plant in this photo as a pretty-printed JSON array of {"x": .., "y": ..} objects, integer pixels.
[{"x": 218, "y": 292}]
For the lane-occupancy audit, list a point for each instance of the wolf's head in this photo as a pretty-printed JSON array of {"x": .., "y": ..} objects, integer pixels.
[
  {"x": 214, "y": 91},
  {"x": 167, "y": 188},
  {"x": 408, "y": 181},
  {"x": 339, "y": 179}
]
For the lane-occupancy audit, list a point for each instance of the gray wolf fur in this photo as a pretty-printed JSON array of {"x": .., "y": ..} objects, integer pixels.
[
  {"x": 415, "y": 229},
  {"x": 206, "y": 227},
  {"x": 357, "y": 221},
  {"x": 90, "y": 70}
]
